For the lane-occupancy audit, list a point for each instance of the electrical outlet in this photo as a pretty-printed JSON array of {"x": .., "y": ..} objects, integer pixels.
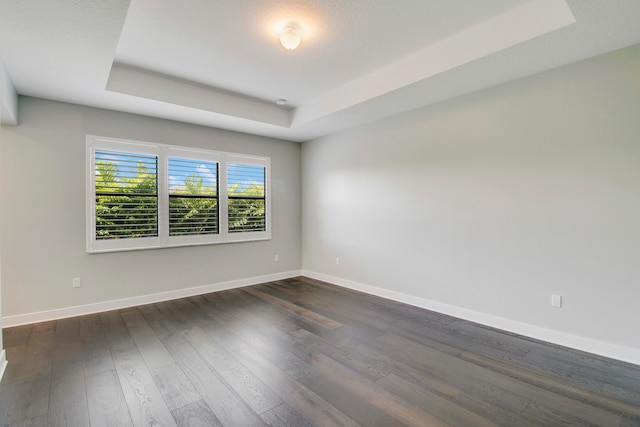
[
  {"x": 556, "y": 300},
  {"x": 276, "y": 258},
  {"x": 337, "y": 260},
  {"x": 76, "y": 282}
]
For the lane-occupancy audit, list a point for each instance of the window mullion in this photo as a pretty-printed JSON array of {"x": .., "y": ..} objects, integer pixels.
[
  {"x": 223, "y": 203},
  {"x": 163, "y": 196}
]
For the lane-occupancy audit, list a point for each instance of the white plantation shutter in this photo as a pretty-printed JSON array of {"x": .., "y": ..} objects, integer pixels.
[
  {"x": 126, "y": 194},
  {"x": 193, "y": 197},
  {"x": 246, "y": 194},
  {"x": 248, "y": 198}
]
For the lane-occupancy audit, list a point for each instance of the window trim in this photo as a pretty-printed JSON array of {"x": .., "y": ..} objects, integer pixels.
[{"x": 163, "y": 152}]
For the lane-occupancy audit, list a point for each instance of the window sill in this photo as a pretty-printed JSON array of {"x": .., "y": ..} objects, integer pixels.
[{"x": 171, "y": 246}]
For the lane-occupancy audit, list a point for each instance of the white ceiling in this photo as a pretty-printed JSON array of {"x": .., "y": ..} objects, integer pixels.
[{"x": 219, "y": 63}]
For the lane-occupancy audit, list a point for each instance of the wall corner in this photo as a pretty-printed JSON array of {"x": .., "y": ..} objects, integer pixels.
[{"x": 8, "y": 99}]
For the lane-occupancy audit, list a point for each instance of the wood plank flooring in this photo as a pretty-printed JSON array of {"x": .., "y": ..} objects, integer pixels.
[{"x": 300, "y": 352}]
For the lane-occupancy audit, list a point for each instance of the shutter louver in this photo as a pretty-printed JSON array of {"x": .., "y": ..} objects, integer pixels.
[
  {"x": 246, "y": 198},
  {"x": 126, "y": 195}
]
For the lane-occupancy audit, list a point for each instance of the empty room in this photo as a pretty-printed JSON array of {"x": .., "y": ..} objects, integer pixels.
[{"x": 320, "y": 213}]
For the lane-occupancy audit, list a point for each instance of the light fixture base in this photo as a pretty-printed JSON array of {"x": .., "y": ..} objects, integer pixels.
[{"x": 290, "y": 37}]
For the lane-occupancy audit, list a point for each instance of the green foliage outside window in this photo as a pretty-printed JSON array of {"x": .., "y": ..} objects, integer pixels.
[{"x": 246, "y": 208}]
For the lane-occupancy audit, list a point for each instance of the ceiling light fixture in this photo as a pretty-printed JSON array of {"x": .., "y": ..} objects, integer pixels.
[{"x": 290, "y": 37}]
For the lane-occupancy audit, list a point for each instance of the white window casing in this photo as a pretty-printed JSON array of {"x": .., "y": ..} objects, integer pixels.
[{"x": 193, "y": 200}]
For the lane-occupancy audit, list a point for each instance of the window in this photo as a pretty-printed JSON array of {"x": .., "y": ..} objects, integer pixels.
[
  {"x": 144, "y": 195},
  {"x": 126, "y": 190},
  {"x": 193, "y": 197},
  {"x": 246, "y": 197}
]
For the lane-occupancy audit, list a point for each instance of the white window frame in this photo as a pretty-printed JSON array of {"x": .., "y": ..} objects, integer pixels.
[
  {"x": 265, "y": 162},
  {"x": 163, "y": 152}
]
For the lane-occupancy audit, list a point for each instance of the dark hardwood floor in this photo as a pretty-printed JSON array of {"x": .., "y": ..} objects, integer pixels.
[{"x": 300, "y": 352}]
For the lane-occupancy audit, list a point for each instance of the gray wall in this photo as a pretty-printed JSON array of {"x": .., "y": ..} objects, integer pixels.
[
  {"x": 487, "y": 203},
  {"x": 42, "y": 176},
  {"x": 492, "y": 202}
]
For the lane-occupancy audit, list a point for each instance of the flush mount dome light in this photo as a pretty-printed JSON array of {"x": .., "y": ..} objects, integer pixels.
[{"x": 290, "y": 37}]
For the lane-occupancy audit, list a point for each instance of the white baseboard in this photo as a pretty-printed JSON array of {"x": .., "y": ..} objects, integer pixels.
[
  {"x": 614, "y": 351},
  {"x": 3, "y": 362},
  {"x": 61, "y": 313}
]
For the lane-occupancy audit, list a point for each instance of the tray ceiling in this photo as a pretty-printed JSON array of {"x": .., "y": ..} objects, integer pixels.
[{"x": 219, "y": 63}]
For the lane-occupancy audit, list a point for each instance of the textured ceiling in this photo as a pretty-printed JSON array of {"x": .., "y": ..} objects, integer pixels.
[{"x": 219, "y": 63}]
